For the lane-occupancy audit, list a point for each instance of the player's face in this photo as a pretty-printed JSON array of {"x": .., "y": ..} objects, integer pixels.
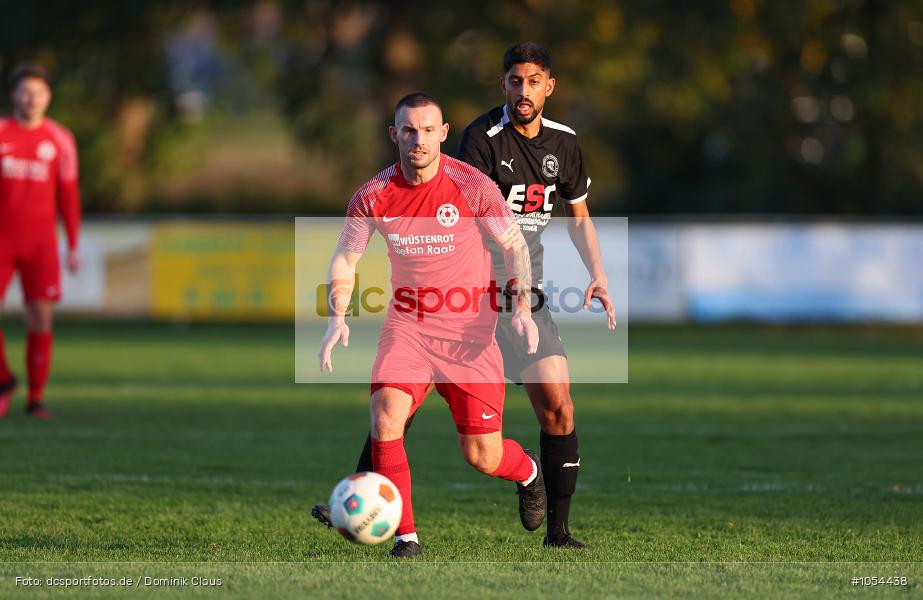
[
  {"x": 418, "y": 132},
  {"x": 31, "y": 98},
  {"x": 526, "y": 86}
]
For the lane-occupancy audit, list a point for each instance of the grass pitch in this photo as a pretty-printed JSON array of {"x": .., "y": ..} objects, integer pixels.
[{"x": 739, "y": 461}]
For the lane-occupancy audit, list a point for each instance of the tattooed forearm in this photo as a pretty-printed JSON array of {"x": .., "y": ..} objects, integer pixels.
[{"x": 518, "y": 264}]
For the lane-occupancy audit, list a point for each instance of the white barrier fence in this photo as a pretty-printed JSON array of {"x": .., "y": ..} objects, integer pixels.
[
  {"x": 675, "y": 272},
  {"x": 774, "y": 272}
]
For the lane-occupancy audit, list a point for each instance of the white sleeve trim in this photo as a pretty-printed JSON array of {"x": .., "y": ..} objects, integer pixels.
[
  {"x": 556, "y": 125},
  {"x": 499, "y": 126},
  {"x": 583, "y": 197}
]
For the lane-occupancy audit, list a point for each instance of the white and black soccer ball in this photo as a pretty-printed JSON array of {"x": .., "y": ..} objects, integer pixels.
[{"x": 365, "y": 508}]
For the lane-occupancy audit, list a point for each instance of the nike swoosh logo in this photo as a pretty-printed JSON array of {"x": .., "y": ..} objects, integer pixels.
[
  {"x": 485, "y": 416},
  {"x": 576, "y": 464},
  {"x": 389, "y": 219}
]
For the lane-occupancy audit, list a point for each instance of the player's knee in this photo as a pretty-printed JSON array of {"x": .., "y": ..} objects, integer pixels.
[
  {"x": 390, "y": 412},
  {"x": 565, "y": 413},
  {"x": 38, "y": 318},
  {"x": 558, "y": 415},
  {"x": 386, "y": 426},
  {"x": 481, "y": 458},
  {"x": 484, "y": 464}
]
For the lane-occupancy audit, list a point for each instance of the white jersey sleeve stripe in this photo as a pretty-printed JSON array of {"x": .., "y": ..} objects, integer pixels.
[
  {"x": 499, "y": 126},
  {"x": 556, "y": 125}
]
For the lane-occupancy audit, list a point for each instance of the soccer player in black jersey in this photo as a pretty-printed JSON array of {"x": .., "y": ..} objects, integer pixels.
[{"x": 537, "y": 163}]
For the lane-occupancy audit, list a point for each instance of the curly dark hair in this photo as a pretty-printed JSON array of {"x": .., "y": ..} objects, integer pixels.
[{"x": 526, "y": 52}]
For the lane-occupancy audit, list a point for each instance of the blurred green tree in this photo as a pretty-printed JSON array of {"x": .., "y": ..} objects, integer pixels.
[
  {"x": 740, "y": 106},
  {"x": 713, "y": 107}
]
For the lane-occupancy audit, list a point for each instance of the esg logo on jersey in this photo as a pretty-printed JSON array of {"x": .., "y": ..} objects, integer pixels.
[{"x": 527, "y": 199}]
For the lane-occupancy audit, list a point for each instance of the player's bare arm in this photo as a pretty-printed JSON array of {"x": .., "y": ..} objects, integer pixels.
[
  {"x": 341, "y": 276},
  {"x": 583, "y": 234},
  {"x": 519, "y": 270}
]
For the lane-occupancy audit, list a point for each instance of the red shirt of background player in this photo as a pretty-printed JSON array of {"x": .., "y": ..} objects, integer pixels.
[{"x": 38, "y": 179}]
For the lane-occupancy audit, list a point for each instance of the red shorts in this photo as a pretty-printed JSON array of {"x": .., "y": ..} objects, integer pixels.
[
  {"x": 38, "y": 267},
  {"x": 469, "y": 376}
]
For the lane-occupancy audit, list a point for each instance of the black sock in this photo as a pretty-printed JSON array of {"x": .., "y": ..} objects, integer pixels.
[
  {"x": 560, "y": 465},
  {"x": 365, "y": 458}
]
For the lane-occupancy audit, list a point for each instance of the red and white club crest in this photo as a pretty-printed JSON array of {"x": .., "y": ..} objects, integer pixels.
[
  {"x": 447, "y": 215},
  {"x": 46, "y": 151}
]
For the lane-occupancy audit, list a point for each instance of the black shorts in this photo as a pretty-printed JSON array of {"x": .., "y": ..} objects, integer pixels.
[{"x": 513, "y": 346}]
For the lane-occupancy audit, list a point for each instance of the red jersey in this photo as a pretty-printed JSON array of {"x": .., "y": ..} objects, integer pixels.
[
  {"x": 441, "y": 273},
  {"x": 38, "y": 178}
]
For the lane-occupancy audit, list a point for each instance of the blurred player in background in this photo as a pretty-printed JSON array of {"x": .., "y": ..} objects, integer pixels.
[
  {"x": 537, "y": 163},
  {"x": 435, "y": 212},
  {"x": 38, "y": 181}
]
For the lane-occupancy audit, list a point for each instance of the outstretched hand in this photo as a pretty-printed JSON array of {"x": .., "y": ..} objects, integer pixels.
[
  {"x": 525, "y": 326},
  {"x": 598, "y": 289},
  {"x": 337, "y": 331}
]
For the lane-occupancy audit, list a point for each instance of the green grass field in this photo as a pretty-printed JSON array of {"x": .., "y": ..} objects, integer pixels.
[{"x": 739, "y": 461}]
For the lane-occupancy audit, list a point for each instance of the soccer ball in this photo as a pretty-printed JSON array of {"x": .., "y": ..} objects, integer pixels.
[{"x": 365, "y": 508}]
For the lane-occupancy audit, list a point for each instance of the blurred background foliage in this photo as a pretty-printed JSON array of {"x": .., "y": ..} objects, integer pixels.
[{"x": 712, "y": 107}]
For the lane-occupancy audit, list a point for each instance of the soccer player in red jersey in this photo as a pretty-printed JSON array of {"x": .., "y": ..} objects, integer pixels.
[
  {"x": 436, "y": 213},
  {"x": 38, "y": 181},
  {"x": 536, "y": 162}
]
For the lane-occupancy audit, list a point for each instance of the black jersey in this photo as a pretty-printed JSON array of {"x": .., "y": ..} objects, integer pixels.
[{"x": 533, "y": 174}]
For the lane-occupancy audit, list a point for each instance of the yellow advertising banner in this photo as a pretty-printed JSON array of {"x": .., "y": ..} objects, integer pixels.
[{"x": 223, "y": 271}]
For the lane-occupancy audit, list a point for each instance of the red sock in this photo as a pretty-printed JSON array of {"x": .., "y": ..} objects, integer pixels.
[
  {"x": 515, "y": 464},
  {"x": 4, "y": 368},
  {"x": 38, "y": 363},
  {"x": 390, "y": 459}
]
